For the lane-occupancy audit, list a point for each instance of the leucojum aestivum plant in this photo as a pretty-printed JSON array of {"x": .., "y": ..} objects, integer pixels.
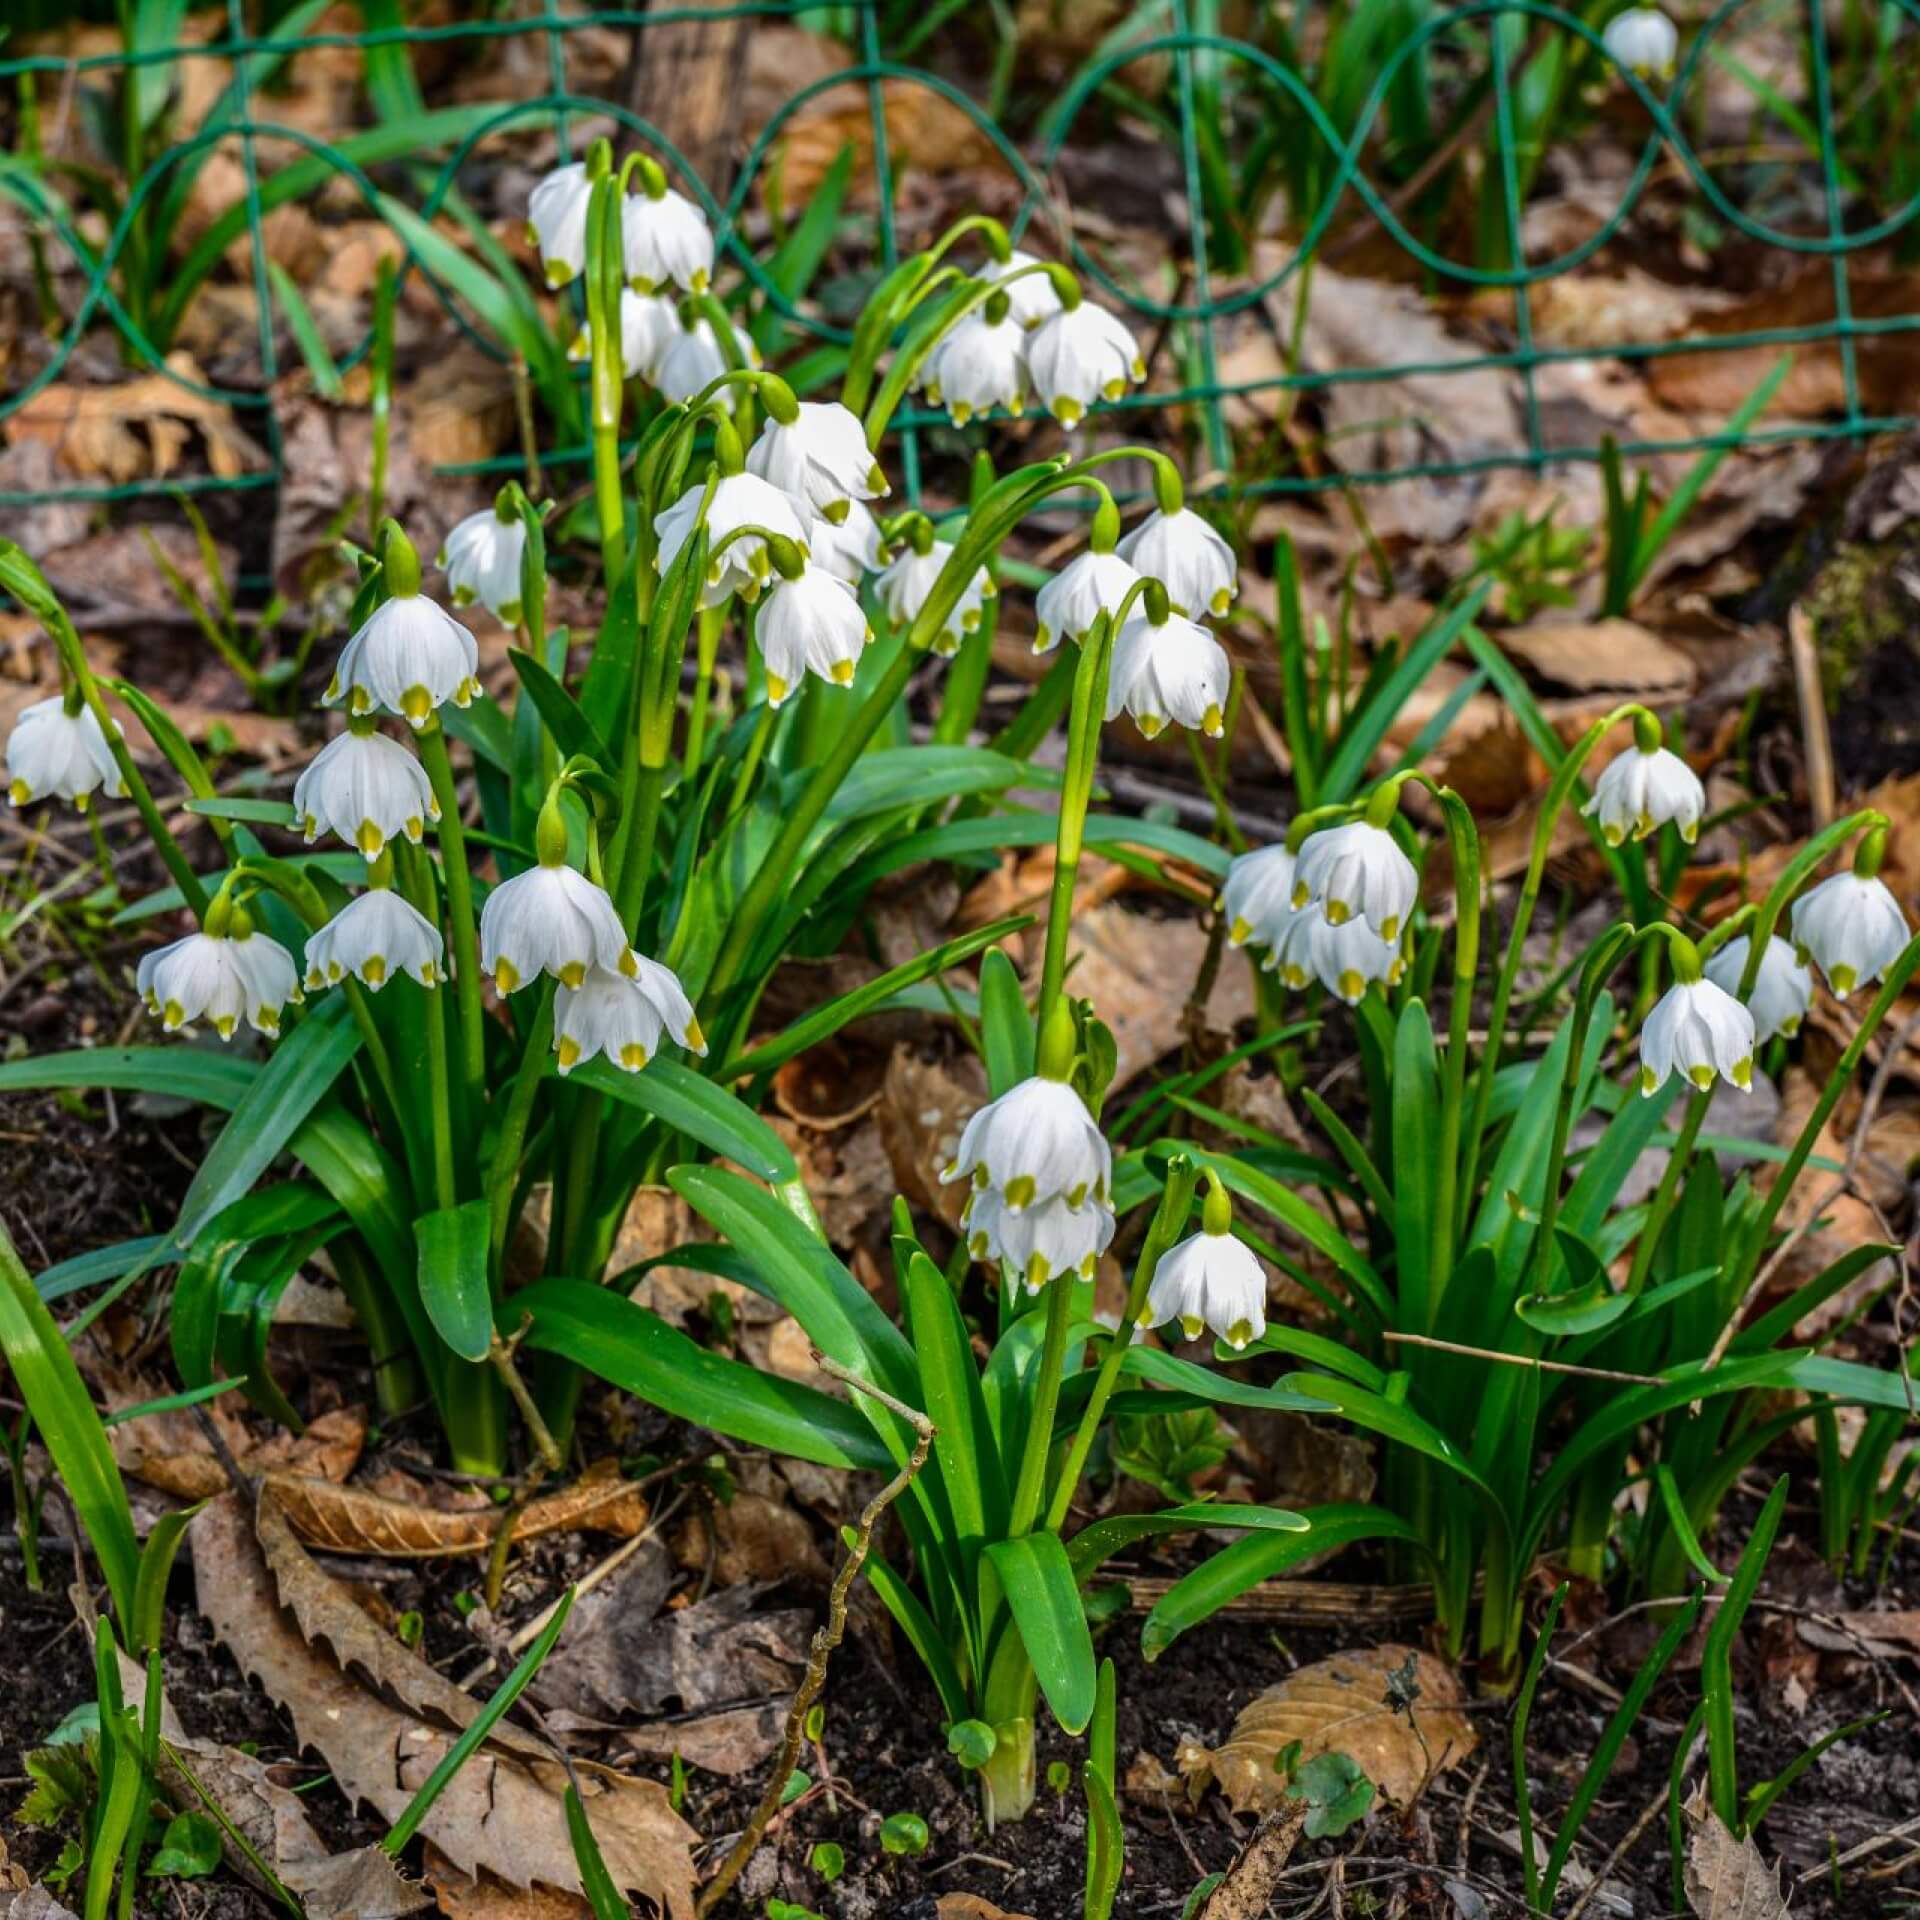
[{"x": 552, "y": 993}]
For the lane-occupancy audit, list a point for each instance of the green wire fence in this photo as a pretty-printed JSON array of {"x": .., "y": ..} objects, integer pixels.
[{"x": 1506, "y": 33}]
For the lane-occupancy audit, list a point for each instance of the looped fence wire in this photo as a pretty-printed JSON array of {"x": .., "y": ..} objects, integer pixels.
[{"x": 1198, "y": 316}]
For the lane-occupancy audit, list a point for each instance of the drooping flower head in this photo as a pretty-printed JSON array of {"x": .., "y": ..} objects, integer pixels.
[
  {"x": 853, "y": 549},
  {"x": 1643, "y": 788},
  {"x": 820, "y": 458},
  {"x": 622, "y": 1015},
  {"x": 60, "y": 753},
  {"x": 1188, "y": 557},
  {"x": 1358, "y": 871},
  {"x": 1091, "y": 583},
  {"x": 410, "y": 656},
  {"x": 1032, "y": 297},
  {"x": 481, "y": 559},
  {"x": 551, "y": 919},
  {"x": 1043, "y": 1241},
  {"x": 665, "y": 237},
  {"x": 1168, "y": 670},
  {"x": 811, "y": 623},
  {"x": 373, "y": 937},
  {"x": 980, "y": 365},
  {"x": 1644, "y": 41},
  {"x": 1210, "y": 1282},
  {"x": 1782, "y": 990},
  {"x": 1257, "y": 897},
  {"x": 1698, "y": 1031},
  {"x": 693, "y": 359},
  {"x": 649, "y": 325},
  {"x": 1079, "y": 356},
  {"x": 745, "y": 505},
  {"x": 904, "y": 588},
  {"x": 557, "y": 221},
  {"x": 1850, "y": 926},
  {"x": 365, "y": 788},
  {"x": 223, "y": 974}
]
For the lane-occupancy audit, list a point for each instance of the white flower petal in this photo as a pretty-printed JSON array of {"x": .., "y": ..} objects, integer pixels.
[{"x": 1188, "y": 557}]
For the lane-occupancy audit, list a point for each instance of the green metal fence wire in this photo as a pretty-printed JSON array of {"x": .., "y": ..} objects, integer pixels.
[{"x": 1209, "y": 297}]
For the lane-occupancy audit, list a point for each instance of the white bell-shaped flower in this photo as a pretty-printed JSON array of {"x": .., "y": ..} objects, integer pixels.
[
  {"x": 374, "y": 937},
  {"x": 481, "y": 559},
  {"x": 1851, "y": 927},
  {"x": 1210, "y": 1282},
  {"x": 1346, "y": 959},
  {"x": 1188, "y": 556},
  {"x": 811, "y": 623},
  {"x": 1089, "y": 585},
  {"x": 821, "y": 460},
  {"x": 1257, "y": 897},
  {"x": 1698, "y": 1030},
  {"x": 744, "y": 565},
  {"x": 551, "y": 919},
  {"x": 1081, "y": 355},
  {"x": 649, "y": 325},
  {"x": 1356, "y": 871},
  {"x": 1782, "y": 990},
  {"x": 1031, "y": 297},
  {"x": 693, "y": 359},
  {"x": 622, "y": 1016},
  {"x": 1036, "y": 1142},
  {"x": 904, "y": 586},
  {"x": 557, "y": 221},
  {"x": 367, "y": 789},
  {"x": 52, "y": 753},
  {"x": 1644, "y": 41},
  {"x": 851, "y": 550},
  {"x": 220, "y": 978},
  {"x": 980, "y": 365},
  {"x": 666, "y": 241},
  {"x": 1638, "y": 793},
  {"x": 1044, "y": 1241},
  {"x": 1168, "y": 670},
  {"x": 409, "y": 657}
]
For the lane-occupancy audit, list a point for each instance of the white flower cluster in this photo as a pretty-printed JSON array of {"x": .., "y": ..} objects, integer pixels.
[
  {"x": 665, "y": 237},
  {"x": 1644, "y": 41},
  {"x": 1067, "y": 357},
  {"x": 1040, "y": 1170},
  {"x": 1211, "y": 1282},
  {"x": 1337, "y": 912}
]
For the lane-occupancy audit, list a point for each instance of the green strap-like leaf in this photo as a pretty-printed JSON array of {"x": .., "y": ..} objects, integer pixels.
[
  {"x": 1037, "y": 1579},
  {"x": 453, "y": 1245},
  {"x": 691, "y": 1104}
]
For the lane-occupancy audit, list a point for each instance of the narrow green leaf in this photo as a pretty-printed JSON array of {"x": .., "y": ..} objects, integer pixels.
[
  {"x": 691, "y": 1104},
  {"x": 1037, "y": 1579},
  {"x": 453, "y": 1247},
  {"x": 1006, "y": 1026}
]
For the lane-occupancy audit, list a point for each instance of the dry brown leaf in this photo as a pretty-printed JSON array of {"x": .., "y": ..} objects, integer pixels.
[
  {"x": 1726, "y": 1879},
  {"x": 349, "y": 1520},
  {"x": 1339, "y": 1705},
  {"x": 1601, "y": 653},
  {"x": 972, "y": 1906},
  {"x": 137, "y": 429},
  {"x": 1246, "y": 1893},
  {"x": 925, "y": 132},
  {"x": 502, "y": 1813},
  {"x": 752, "y": 1537},
  {"x": 923, "y": 1106},
  {"x": 462, "y": 1896}
]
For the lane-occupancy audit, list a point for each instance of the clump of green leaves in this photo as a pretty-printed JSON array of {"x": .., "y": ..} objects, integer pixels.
[{"x": 1169, "y": 1452}]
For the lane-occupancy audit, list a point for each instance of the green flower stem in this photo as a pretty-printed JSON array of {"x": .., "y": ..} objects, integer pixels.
[
  {"x": 416, "y": 873},
  {"x": 21, "y": 578},
  {"x": 712, "y": 624},
  {"x": 1086, "y": 715},
  {"x": 770, "y": 882},
  {"x": 1464, "y": 843},
  {"x": 463, "y": 931},
  {"x": 1664, "y": 1195},
  {"x": 605, "y": 276},
  {"x": 1031, "y": 1485},
  {"x": 504, "y": 1173},
  {"x": 1176, "y": 1202},
  {"x": 1559, "y": 791}
]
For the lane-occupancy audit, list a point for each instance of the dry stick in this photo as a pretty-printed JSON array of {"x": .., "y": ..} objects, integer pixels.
[
  {"x": 1822, "y": 789},
  {"x": 1523, "y": 1360},
  {"x": 1869, "y": 1112},
  {"x": 826, "y": 1638}
]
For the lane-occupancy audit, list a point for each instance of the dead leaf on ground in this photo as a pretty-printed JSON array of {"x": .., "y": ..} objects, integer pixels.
[
  {"x": 1339, "y": 1705},
  {"x": 1246, "y": 1892},
  {"x": 138, "y": 429},
  {"x": 462, "y": 1896},
  {"x": 1587, "y": 654},
  {"x": 751, "y": 1537},
  {"x": 502, "y": 1812},
  {"x": 716, "y": 1653},
  {"x": 1726, "y": 1879},
  {"x": 924, "y": 1104},
  {"x": 972, "y": 1906}
]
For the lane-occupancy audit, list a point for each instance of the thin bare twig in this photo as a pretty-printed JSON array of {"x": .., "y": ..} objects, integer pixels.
[
  {"x": 826, "y": 1638},
  {"x": 1525, "y": 1360}
]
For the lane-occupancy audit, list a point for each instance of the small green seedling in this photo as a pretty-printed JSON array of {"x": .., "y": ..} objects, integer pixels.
[
  {"x": 1336, "y": 1791},
  {"x": 798, "y": 1781},
  {"x": 828, "y": 1859},
  {"x": 905, "y": 1834},
  {"x": 189, "y": 1849},
  {"x": 816, "y": 1723},
  {"x": 1059, "y": 1775},
  {"x": 972, "y": 1743}
]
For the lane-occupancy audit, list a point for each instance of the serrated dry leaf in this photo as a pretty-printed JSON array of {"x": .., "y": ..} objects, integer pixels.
[
  {"x": 972, "y": 1906},
  {"x": 460, "y": 1896},
  {"x": 1340, "y": 1706},
  {"x": 1726, "y": 1879},
  {"x": 502, "y": 1813},
  {"x": 348, "y": 1520},
  {"x": 137, "y": 429}
]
